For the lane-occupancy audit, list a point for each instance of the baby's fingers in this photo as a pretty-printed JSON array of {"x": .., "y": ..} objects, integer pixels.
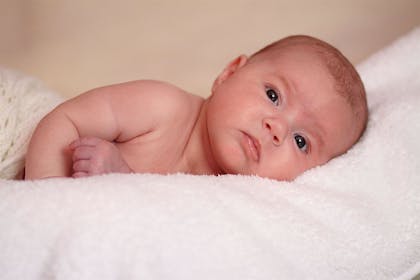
[
  {"x": 80, "y": 174},
  {"x": 83, "y": 152},
  {"x": 81, "y": 166}
]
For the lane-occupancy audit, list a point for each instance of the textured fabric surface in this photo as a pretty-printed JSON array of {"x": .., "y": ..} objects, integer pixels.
[{"x": 23, "y": 102}]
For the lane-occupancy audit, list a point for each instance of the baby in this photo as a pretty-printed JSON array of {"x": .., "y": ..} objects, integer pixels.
[{"x": 293, "y": 105}]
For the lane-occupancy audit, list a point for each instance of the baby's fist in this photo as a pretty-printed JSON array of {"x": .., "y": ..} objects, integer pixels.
[{"x": 94, "y": 156}]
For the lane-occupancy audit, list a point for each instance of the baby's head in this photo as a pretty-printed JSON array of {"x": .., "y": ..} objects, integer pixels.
[{"x": 293, "y": 105}]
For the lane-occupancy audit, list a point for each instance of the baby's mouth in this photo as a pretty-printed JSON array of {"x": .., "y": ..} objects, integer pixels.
[{"x": 253, "y": 147}]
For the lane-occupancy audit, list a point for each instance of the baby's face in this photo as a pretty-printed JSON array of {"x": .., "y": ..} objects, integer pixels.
[{"x": 277, "y": 116}]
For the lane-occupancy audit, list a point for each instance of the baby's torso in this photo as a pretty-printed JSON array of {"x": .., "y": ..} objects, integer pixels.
[
  {"x": 155, "y": 152},
  {"x": 162, "y": 149}
]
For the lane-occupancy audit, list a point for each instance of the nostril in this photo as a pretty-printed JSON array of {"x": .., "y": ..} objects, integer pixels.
[{"x": 273, "y": 132}]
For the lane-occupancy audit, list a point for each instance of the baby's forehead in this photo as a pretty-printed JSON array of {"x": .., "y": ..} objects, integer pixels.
[
  {"x": 291, "y": 58},
  {"x": 290, "y": 49}
]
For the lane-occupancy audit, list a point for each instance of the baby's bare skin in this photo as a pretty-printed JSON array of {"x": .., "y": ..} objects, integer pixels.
[
  {"x": 275, "y": 115},
  {"x": 154, "y": 140}
]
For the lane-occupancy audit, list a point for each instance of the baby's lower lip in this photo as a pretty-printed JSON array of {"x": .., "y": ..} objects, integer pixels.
[{"x": 251, "y": 147}]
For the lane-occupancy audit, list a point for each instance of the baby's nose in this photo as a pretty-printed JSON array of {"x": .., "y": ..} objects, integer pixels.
[{"x": 277, "y": 128}]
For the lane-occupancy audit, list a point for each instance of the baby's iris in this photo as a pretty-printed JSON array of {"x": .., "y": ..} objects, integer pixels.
[
  {"x": 301, "y": 142},
  {"x": 272, "y": 95}
]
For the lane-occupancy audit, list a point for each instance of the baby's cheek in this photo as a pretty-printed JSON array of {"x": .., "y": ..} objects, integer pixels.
[{"x": 284, "y": 166}]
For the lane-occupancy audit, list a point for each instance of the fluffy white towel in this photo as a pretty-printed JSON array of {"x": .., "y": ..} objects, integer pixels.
[{"x": 355, "y": 218}]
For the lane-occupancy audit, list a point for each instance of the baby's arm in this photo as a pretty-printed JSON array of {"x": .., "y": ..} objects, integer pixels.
[
  {"x": 113, "y": 113},
  {"x": 48, "y": 153}
]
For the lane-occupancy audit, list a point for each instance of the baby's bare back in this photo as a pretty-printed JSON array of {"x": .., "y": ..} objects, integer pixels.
[{"x": 148, "y": 121}]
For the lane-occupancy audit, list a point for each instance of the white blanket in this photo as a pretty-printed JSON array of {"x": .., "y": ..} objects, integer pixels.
[{"x": 357, "y": 217}]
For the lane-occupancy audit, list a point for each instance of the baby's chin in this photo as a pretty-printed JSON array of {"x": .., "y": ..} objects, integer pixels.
[{"x": 238, "y": 170}]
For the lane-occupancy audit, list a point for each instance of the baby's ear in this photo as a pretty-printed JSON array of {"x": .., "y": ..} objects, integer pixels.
[{"x": 231, "y": 68}]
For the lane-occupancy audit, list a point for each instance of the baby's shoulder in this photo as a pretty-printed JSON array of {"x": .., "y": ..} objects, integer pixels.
[
  {"x": 164, "y": 100},
  {"x": 167, "y": 97}
]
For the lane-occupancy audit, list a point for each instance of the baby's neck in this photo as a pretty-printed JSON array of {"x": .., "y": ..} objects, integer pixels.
[{"x": 198, "y": 156}]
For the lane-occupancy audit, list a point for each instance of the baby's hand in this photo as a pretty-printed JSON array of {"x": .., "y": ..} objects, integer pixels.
[{"x": 94, "y": 156}]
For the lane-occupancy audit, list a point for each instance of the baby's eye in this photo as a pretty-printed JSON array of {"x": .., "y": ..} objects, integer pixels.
[
  {"x": 272, "y": 95},
  {"x": 301, "y": 143}
]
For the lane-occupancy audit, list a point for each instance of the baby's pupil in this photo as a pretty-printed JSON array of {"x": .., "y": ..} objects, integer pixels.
[
  {"x": 300, "y": 141},
  {"x": 272, "y": 95}
]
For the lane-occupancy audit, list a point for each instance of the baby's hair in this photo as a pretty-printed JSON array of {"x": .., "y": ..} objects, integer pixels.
[{"x": 347, "y": 81}]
